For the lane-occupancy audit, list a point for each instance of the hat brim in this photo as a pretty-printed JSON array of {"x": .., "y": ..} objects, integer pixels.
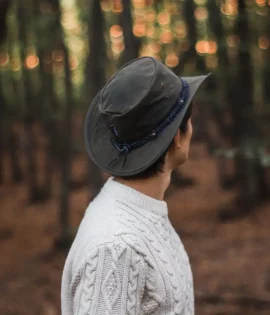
[{"x": 102, "y": 152}]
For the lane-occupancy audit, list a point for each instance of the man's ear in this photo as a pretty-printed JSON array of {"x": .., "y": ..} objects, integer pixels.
[{"x": 177, "y": 139}]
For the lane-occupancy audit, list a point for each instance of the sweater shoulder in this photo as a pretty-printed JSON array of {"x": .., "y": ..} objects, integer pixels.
[
  {"x": 112, "y": 271},
  {"x": 104, "y": 223}
]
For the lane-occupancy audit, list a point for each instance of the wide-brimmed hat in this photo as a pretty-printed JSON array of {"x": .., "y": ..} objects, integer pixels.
[{"x": 135, "y": 116}]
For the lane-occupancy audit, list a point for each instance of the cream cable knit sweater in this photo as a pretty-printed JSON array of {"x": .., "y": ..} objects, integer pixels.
[{"x": 126, "y": 259}]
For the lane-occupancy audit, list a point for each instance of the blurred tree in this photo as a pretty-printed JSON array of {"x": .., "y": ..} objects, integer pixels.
[
  {"x": 11, "y": 109},
  {"x": 178, "y": 179},
  {"x": 65, "y": 164},
  {"x": 190, "y": 54},
  {"x": 95, "y": 74},
  {"x": 245, "y": 128},
  {"x": 24, "y": 16},
  {"x": 218, "y": 83},
  {"x": 266, "y": 66},
  {"x": 4, "y": 6},
  {"x": 132, "y": 43},
  {"x": 2, "y": 132},
  {"x": 48, "y": 104}
]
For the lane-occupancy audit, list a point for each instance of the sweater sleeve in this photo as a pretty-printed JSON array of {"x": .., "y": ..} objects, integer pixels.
[{"x": 110, "y": 281}]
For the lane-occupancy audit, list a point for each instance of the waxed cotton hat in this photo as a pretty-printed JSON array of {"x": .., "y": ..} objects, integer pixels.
[{"x": 135, "y": 116}]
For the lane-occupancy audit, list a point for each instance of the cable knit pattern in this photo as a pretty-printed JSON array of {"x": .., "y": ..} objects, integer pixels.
[
  {"x": 132, "y": 285},
  {"x": 88, "y": 284},
  {"x": 179, "y": 293},
  {"x": 126, "y": 259}
]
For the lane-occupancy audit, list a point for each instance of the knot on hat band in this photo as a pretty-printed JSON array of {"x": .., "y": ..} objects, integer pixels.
[{"x": 125, "y": 147}]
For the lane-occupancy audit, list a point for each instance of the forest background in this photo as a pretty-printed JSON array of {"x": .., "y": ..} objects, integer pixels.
[{"x": 55, "y": 55}]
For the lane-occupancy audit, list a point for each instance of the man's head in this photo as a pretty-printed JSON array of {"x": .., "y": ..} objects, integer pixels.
[
  {"x": 176, "y": 153},
  {"x": 139, "y": 123}
]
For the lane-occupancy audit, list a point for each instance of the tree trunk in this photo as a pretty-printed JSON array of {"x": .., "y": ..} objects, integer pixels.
[
  {"x": 97, "y": 62},
  {"x": 245, "y": 129},
  {"x": 47, "y": 108},
  {"x": 244, "y": 125},
  {"x": 2, "y": 132},
  {"x": 190, "y": 54},
  {"x": 225, "y": 130},
  {"x": 4, "y": 6},
  {"x": 177, "y": 178},
  {"x": 132, "y": 43},
  {"x": 29, "y": 109},
  {"x": 67, "y": 142}
]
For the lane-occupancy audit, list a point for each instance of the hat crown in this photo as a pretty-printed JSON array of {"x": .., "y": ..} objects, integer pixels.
[{"x": 138, "y": 97}]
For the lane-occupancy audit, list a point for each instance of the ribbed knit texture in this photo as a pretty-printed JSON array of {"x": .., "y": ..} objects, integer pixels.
[{"x": 126, "y": 259}]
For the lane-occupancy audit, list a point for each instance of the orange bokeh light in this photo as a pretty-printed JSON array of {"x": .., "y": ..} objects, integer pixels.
[
  {"x": 58, "y": 55},
  {"x": 151, "y": 32},
  {"x": 150, "y": 16},
  {"x": 261, "y": 3},
  {"x": 118, "y": 47},
  {"x": 233, "y": 41},
  {"x": 73, "y": 62},
  {"x": 139, "y": 29},
  {"x": 31, "y": 62},
  {"x": 201, "y": 14},
  {"x": 230, "y": 7},
  {"x": 206, "y": 47},
  {"x": 163, "y": 18},
  {"x": 155, "y": 47},
  {"x": 116, "y": 31},
  {"x": 166, "y": 37},
  {"x": 105, "y": 5},
  {"x": 149, "y": 2},
  {"x": 180, "y": 29},
  {"x": 4, "y": 58},
  {"x": 172, "y": 60},
  {"x": 117, "y": 6},
  {"x": 15, "y": 64},
  {"x": 171, "y": 8},
  {"x": 264, "y": 42},
  {"x": 139, "y": 4}
]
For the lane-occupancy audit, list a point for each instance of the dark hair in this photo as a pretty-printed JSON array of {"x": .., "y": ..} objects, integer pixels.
[{"x": 157, "y": 167}]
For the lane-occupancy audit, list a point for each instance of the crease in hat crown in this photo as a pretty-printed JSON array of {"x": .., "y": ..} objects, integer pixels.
[{"x": 138, "y": 97}]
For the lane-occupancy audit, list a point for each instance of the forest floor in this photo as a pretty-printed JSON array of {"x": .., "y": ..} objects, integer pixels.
[{"x": 230, "y": 261}]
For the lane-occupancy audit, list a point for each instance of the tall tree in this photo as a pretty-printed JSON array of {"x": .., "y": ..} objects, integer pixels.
[
  {"x": 190, "y": 54},
  {"x": 220, "y": 103},
  {"x": 132, "y": 43},
  {"x": 2, "y": 131},
  {"x": 66, "y": 134},
  {"x": 95, "y": 76},
  {"x": 23, "y": 15},
  {"x": 245, "y": 129},
  {"x": 4, "y": 6},
  {"x": 47, "y": 98}
]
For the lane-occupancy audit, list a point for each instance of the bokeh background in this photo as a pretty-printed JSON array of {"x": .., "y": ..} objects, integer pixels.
[{"x": 55, "y": 55}]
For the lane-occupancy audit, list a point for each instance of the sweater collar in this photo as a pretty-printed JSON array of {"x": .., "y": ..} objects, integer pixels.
[{"x": 134, "y": 196}]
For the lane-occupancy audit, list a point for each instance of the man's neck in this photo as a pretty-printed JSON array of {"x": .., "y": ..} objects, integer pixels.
[{"x": 153, "y": 187}]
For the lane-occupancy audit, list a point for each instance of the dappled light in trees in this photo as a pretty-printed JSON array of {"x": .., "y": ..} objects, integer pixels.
[{"x": 56, "y": 55}]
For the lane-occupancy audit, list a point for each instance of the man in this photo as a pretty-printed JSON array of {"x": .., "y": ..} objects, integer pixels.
[{"x": 127, "y": 257}]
